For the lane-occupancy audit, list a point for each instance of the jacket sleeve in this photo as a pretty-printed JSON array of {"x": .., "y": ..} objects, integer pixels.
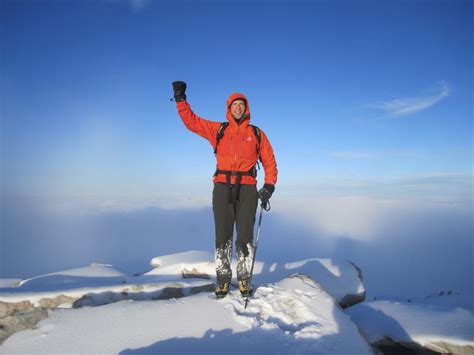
[
  {"x": 268, "y": 160},
  {"x": 205, "y": 128}
]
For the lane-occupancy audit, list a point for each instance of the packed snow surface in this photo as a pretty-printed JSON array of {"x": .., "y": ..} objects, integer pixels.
[
  {"x": 293, "y": 316},
  {"x": 287, "y": 315},
  {"x": 425, "y": 322},
  {"x": 338, "y": 278}
]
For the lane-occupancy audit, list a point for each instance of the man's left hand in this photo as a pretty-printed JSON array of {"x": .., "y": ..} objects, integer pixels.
[{"x": 265, "y": 193}]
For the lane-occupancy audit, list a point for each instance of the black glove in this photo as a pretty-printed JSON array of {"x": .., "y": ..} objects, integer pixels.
[
  {"x": 265, "y": 193},
  {"x": 179, "y": 88}
]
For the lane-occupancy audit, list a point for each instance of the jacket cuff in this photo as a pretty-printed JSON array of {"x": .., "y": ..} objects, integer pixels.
[
  {"x": 269, "y": 187},
  {"x": 181, "y": 105}
]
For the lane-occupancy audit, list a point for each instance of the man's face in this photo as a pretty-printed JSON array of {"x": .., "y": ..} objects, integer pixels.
[{"x": 237, "y": 108}]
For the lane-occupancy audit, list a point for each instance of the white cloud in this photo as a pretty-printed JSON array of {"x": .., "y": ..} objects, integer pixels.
[
  {"x": 444, "y": 188},
  {"x": 353, "y": 217},
  {"x": 358, "y": 217},
  {"x": 407, "y": 106}
]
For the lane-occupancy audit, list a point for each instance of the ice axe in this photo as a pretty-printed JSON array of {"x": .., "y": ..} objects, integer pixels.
[{"x": 264, "y": 206}]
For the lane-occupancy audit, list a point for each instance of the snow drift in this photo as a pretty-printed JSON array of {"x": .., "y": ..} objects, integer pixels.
[{"x": 293, "y": 316}]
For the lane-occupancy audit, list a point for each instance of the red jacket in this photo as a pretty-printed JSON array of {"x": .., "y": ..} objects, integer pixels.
[{"x": 237, "y": 149}]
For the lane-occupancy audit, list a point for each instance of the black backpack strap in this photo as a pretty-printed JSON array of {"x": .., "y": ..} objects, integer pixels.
[
  {"x": 220, "y": 134},
  {"x": 258, "y": 134},
  {"x": 223, "y": 126}
]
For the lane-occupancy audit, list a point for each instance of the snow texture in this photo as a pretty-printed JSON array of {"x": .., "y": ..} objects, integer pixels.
[
  {"x": 287, "y": 315},
  {"x": 423, "y": 322},
  {"x": 102, "y": 283},
  {"x": 294, "y": 316},
  {"x": 338, "y": 277}
]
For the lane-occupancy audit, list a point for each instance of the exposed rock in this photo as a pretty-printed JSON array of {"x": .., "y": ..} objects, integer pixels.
[
  {"x": 7, "y": 309},
  {"x": 393, "y": 320},
  {"x": 100, "y": 299},
  {"x": 24, "y": 315},
  {"x": 203, "y": 288},
  {"x": 173, "y": 291},
  {"x": 14, "y": 316},
  {"x": 350, "y": 300},
  {"x": 447, "y": 348},
  {"x": 11, "y": 324},
  {"x": 388, "y": 346},
  {"x": 56, "y": 301},
  {"x": 194, "y": 273}
]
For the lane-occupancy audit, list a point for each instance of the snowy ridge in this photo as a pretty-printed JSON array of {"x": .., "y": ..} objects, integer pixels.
[
  {"x": 445, "y": 329},
  {"x": 340, "y": 278},
  {"x": 174, "y": 276},
  {"x": 293, "y": 316},
  {"x": 295, "y": 310},
  {"x": 187, "y": 270}
]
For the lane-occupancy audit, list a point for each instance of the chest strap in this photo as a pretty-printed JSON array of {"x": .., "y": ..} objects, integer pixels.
[{"x": 234, "y": 193}]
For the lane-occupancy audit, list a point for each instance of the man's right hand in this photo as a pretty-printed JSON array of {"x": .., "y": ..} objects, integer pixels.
[{"x": 179, "y": 88}]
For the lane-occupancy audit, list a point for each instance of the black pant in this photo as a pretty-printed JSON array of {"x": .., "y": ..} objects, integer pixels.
[{"x": 240, "y": 213}]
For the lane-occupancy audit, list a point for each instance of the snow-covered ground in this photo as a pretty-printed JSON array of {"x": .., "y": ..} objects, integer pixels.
[
  {"x": 293, "y": 316},
  {"x": 434, "y": 323},
  {"x": 340, "y": 278},
  {"x": 295, "y": 310}
]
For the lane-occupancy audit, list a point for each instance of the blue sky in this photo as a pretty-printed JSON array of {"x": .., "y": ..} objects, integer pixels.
[
  {"x": 366, "y": 97},
  {"x": 368, "y": 106}
]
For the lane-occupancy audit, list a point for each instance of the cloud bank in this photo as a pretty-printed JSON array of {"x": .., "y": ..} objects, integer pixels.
[{"x": 421, "y": 247}]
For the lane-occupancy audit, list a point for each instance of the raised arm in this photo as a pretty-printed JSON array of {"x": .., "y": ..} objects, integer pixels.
[{"x": 205, "y": 128}]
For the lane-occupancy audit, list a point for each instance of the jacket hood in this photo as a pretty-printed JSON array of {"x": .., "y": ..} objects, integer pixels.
[{"x": 233, "y": 97}]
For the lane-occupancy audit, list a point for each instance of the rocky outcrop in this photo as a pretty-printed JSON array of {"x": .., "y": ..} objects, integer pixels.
[
  {"x": 57, "y": 301},
  {"x": 173, "y": 291},
  {"x": 21, "y": 306},
  {"x": 389, "y": 346},
  {"x": 18, "y": 321},
  {"x": 194, "y": 274},
  {"x": 444, "y": 347},
  {"x": 7, "y": 308},
  {"x": 17, "y": 316},
  {"x": 342, "y": 279},
  {"x": 417, "y": 326},
  {"x": 352, "y": 299}
]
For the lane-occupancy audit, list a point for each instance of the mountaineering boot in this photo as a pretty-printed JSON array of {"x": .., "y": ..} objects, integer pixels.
[
  {"x": 245, "y": 288},
  {"x": 222, "y": 290}
]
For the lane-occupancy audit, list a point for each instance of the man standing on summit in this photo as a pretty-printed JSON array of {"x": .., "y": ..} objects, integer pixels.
[{"x": 238, "y": 147}]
